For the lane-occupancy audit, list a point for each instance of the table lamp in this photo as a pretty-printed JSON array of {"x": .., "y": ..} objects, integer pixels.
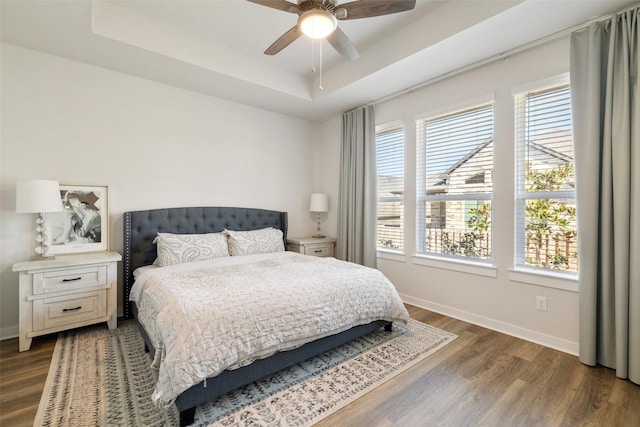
[
  {"x": 39, "y": 196},
  {"x": 319, "y": 204}
]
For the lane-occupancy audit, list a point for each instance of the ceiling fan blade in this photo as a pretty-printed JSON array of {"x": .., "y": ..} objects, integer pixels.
[
  {"x": 343, "y": 45},
  {"x": 278, "y": 4},
  {"x": 368, "y": 8},
  {"x": 285, "y": 40}
]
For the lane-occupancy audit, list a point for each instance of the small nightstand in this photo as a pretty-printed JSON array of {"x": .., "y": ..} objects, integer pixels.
[
  {"x": 66, "y": 292},
  {"x": 316, "y": 246}
]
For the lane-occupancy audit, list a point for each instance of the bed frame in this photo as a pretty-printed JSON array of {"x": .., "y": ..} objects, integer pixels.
[{"x": 141, "y": 227}]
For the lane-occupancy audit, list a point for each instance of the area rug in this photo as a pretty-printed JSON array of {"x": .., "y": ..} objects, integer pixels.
[{"x": 104, "y": 378}]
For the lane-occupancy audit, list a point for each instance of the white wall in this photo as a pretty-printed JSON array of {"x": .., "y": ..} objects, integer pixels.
[
  {"x": 498, "y": 303},
  {"x": 153, "y": 145},
  {"x": 326, "y": 172},
  {"x": 158, "y": 146}
]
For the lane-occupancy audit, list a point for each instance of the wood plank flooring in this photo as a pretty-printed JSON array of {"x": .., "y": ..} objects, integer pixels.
[
  {"x": 22, "y": 378},
  {"x": 484, "y": 378}
]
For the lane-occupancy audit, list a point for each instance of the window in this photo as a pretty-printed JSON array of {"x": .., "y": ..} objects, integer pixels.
[
  {"x": 390, "y": 170},
  {"x": 455, "y": 183},
  {"x": 546, "y": 232}
]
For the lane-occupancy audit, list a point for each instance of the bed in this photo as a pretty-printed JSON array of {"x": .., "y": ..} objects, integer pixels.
[{"x": 140, "y": 252}]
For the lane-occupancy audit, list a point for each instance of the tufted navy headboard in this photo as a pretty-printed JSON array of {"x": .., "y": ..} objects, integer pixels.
[{"x": 141, "y": 227}]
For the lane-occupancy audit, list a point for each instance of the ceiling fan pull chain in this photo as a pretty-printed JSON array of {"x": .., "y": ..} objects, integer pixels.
[
  {"x": 320, "y": 86},
  {"x": 313, "y": 55}
]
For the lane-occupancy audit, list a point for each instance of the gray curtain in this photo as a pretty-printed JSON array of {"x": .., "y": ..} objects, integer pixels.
[
  {"x": 606, "y": 122},
  {"x": 357, "y": 207}
]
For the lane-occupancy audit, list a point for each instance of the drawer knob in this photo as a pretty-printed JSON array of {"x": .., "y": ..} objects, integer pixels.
[
  {"x": 318, "y": 251},
  {"x": 71, "y": 309},
  {"x": 72, "y": 280}
]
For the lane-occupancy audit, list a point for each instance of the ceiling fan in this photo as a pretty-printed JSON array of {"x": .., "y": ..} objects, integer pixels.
[{"x": 318, "y": 19}]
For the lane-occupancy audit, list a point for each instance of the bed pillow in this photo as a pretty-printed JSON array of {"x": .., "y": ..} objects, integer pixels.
[
  {"x": 262, "y": 241},
  {"x": 181, "y": 248},
  {"x": 138, "y": 271}
]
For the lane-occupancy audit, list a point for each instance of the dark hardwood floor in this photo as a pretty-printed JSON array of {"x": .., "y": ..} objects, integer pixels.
[{"x": 483, "y": 378}]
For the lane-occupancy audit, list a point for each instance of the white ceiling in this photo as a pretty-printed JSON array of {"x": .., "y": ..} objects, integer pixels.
[{"x": 216, "y": 46}]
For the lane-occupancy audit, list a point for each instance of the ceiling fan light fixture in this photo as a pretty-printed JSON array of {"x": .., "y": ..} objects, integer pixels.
[{"x": 317, "y": 23}]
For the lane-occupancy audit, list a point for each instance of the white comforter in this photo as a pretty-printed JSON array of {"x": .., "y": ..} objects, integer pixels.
[{"x": 208, "y": 316}]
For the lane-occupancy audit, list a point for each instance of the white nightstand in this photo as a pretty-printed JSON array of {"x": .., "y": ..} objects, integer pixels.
[
  {"x": 316, "y": 246},
  {"x": 66, "y": 292}
]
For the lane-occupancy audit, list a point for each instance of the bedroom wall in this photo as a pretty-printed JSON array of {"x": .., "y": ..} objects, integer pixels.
[
  {"x": 497, "y": 303},
  {"x": 154, "y": 146}
]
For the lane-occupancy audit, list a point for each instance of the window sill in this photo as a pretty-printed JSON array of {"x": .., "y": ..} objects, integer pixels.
[
  {"x": 549, "y": 279},
  {"x": 391, "y": 255},
  {"x": 471, "y": 267}
]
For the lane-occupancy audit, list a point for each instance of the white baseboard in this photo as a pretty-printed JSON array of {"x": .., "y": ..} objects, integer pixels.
[
  {"x": 496, "y": 325},
  {"x": 7, "y": 333}
]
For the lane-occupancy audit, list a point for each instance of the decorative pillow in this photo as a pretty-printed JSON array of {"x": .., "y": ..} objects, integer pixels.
[
  {"x": 181, "y": 248},
  {"x": 263, "y": 241}
]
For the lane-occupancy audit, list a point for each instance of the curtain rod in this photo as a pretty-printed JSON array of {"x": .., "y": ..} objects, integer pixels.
[{"x": 499, "y": 56}]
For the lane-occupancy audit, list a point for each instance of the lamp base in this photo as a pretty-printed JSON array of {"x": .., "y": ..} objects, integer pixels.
[
  {"x": 42, "y": 244},
  {"x": 318, "y": 236}
]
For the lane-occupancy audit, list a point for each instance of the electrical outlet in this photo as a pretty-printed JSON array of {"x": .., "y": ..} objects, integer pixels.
[{"x": 541, "y": 303}]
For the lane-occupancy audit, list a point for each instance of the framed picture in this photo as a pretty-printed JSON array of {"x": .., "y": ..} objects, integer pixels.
[{"x": 82, "y": 225}]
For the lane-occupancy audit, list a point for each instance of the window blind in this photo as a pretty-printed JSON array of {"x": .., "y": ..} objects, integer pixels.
[
  {"x": 546, "y": 232},
  {"x": 390, "y": 187},
  {"x": 455, "y": 183}
]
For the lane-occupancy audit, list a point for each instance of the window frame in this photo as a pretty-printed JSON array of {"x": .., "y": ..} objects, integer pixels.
[
  {"x": 522, "y": 272},
  {"x": 385, "y": 128},
  {"x": 481, "y": 266}
]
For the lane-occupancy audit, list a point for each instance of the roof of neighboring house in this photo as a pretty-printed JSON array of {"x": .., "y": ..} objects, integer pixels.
[
  {"x": 551, "y": 152},
  {"x": 471, "y": 154},
  {"x": 544, "y": 149}
]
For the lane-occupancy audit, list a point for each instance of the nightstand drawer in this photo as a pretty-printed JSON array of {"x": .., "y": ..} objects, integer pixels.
[
  {"x": 69, "y": 279},
  {"x": 319, "y": 250},
  {"x": 65, "y": 310}
]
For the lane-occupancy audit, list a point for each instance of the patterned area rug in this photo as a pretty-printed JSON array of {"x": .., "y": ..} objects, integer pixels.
[{"x": 103, "y": 378}]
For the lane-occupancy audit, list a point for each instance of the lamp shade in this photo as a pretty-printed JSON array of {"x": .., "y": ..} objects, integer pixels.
[
  {"x": 317, "y": 23},
  {"x": 319, "y": 203},
  {"x": 37, "y": 196}
]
